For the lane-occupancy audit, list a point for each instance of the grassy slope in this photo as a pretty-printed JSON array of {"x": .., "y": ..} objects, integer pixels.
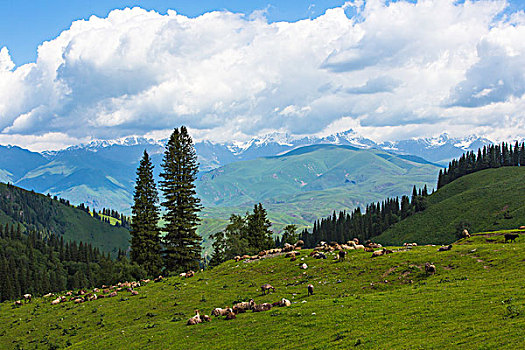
[
  {"x": 307, "y": 184},
  {"x": 311, "y": 170},
  {"x": 481, "y": 199},
  {"x": 475, "y": 300},
  {"x": 74, "y": 224}
]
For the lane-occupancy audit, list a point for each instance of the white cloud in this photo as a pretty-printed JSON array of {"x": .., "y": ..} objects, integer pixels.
[{"x": 392, "y": 69}]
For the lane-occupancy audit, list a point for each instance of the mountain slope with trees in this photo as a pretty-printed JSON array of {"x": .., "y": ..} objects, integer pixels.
[
  {"x": 487, "y": 200},
  {"x": 36, "y": 212}
]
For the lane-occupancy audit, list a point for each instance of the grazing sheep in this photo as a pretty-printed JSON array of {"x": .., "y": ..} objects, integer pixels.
[
  {"x": 18, "y": 303},
  {"x": 195, "y": 319},
  {"x": 230, "y": 315},
  {"x": 522, "y": 227},
  {"x": 299, "y": 243},
  {"x": 511, "y": 237},
  {"x": 112, "y": 294},
  {"x": 263, "y": 253},
  {"x": 262, "y": 307},
  {"x": 368, "y": 250},
  {"x": 158, "y": 279},
  {"x": 245, "y": 256},
  {"x": 267, "y": 287},
  {"x": 378, "y": 253},
  {"x": 206, "y": 318},
  {"x": 342, "y": 255},
  {"x": 359, "y": 246},
  {"x": 465, "y": 234},
  {"x": 237, "y": 258},
  {"x": 288, "y": 247},
  {"x": 182, "y": 274},
  {"x": 190, "y": 273},
  {"x": 320, "y": 255},
  {"x": 430, "y": 269},
  {"x": 56, "y": 301},
  {"x": 284, "y": 302},
  {"x": 134, "y": 292},
  {"x": 310, "y": 289},
  {"x": 48, "y": 295},
  {"x": 221, "y": 312},
  {"x": 27, "y": 298},
  {"x": 290, "y": 255},
  {"x": 304, "y": 266},
  {"x": 445, "y": 248}
]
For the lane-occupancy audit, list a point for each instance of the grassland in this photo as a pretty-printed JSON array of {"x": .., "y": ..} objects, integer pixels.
[
  {"x": 476, "y": 300},
  {"x": 488, "y": 200}
]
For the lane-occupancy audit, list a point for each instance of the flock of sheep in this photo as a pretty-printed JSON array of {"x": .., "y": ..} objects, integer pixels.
[
  {"x": 230, "y": 313},
  {"x": 339, "y": 251}
]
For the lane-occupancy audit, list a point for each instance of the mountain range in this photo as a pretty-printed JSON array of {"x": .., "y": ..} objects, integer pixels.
[{"x": 102, "y": 173}]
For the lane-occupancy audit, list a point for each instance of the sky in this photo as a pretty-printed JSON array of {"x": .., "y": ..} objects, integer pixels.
[{"x": 74, "y": 71}]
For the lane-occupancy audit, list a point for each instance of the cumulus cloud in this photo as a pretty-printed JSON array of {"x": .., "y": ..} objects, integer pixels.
[{"x": 386, "y": 67}]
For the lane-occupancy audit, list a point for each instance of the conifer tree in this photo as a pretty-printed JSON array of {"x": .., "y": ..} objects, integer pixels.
[
  {"x": 181, "y": 243},
  {"x": 258, "y": 227},
  {"x": 145, "y": 235}
]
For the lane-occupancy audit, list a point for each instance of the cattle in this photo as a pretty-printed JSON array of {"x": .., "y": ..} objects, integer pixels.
[{"x": 511, "y": 237}]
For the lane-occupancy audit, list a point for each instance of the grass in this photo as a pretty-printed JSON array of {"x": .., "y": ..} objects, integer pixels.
[{"x": 475, "y": 300}]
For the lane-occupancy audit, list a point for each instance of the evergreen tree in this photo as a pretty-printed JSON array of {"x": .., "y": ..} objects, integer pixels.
[
  {"x": 181, "y": 243},
  {"x": 145, "y": 235},
  {"x": 258, "y": 226},
  {"x": 219, "y": 247},
  {"x": 289, "y": 235}
]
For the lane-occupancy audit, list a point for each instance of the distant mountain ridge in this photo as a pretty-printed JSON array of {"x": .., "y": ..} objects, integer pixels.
[{"x": 102, "y": 172}]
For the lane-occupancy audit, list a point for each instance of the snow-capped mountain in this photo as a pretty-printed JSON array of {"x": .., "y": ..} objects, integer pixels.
[
  {"x": 102, "y": 172},
  {"x": 440, "y": 149}
]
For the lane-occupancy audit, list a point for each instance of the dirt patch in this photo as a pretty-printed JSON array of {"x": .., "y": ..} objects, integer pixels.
[{"x": 389, "y": 271}]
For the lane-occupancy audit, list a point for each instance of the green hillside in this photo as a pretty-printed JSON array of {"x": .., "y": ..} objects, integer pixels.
[
  {"x": 308, "y": 183},
  {"x": 475, "y": 300},
  {"x": 303, "y": 174},
  {"x": 492, "y": 199},
  {"x": 39, "y": 212}
]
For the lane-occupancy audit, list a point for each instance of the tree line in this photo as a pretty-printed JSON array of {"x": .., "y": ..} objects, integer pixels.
[
  {"x": 42, "y": 262},
  {"x": 492, "y": 156},
  {"x": 247, "y": 234},
  {"x": 376, "y": 219}
]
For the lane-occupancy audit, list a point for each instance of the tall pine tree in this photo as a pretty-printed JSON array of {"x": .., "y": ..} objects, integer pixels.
[
  {"x": 181, "y": 243},
  {"x": 145, "y": 235}
]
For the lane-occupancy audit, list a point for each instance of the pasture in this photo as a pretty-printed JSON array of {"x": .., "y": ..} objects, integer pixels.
[{"x": 475, "y": 300}]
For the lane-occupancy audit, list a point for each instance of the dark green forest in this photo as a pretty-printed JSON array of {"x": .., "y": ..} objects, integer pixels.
[
  {"x": 37, "y": 264},
  {"x": 40, "y": 213}
]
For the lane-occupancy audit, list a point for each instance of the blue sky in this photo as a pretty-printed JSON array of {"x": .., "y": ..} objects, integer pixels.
[
  {"x": 26, "y": 24},
  {"x": 389, "y": 70}
]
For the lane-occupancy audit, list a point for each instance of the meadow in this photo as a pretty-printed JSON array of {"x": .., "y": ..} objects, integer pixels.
[{"x": 475, "y": 300}]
